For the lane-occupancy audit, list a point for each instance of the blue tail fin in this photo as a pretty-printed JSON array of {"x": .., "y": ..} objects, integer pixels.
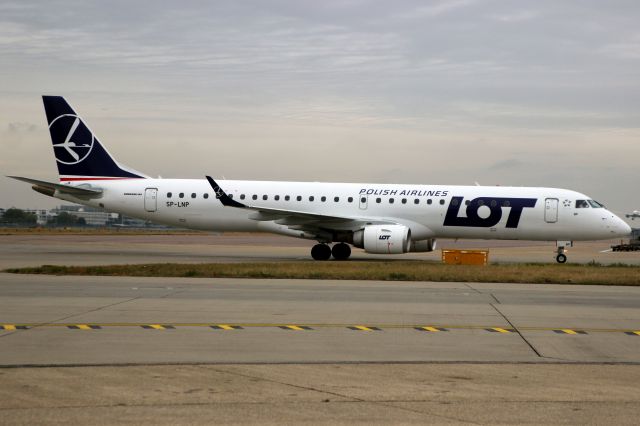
[{"x": 79, "y": 154}]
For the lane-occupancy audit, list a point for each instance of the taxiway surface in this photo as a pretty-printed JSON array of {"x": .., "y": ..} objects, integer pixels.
[
  {"x": 53, "y": 320},
  {"x": 197, "y": 351},
  {"x": 64, "y": 249}
]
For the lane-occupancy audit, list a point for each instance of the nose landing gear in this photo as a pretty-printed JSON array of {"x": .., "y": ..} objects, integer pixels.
[
  {"x": 561, "y": 257},
  {"x": 340, "y": 251}
]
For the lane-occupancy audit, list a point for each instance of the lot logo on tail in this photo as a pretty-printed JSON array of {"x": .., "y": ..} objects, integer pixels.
[{"x": 73, "y": 141}]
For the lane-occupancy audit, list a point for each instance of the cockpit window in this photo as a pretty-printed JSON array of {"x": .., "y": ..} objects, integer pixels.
[
  {"x": 595, "y": 204},
  {"x": 582, "y": 204}
]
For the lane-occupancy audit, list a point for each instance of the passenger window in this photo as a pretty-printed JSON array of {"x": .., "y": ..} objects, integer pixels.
[
  {"x": 323, "y": 199},
  {"x": 377, "y": 200},
  {"x": 276, "y": 197},
  {"x": 311, "y": 198},
  {"x": 467, "y": 202},
  {"x": 193, "y": 195},
  {"x": 506, "y": 203},
  {"x": 255, "y": 197},
  {"x": 442, "y": 202},
  {"x": 336, "y": 199},
  {"x": 265, "y": 197},
  {"x": 582, "y": 204},
  {"x": 362, "y": 200},
  {"x": 287, "y": 198},
  {"x": 207, "y": 196},
  {"x": 391, "y": 200},
  {"x": 168, "y": 195},
  {"x": 481, "y": 202},
  {"x": 404, "y": 201},
  {"x": 350, "y": 199},
  {"x": 429, "y": 201},
  {"x": 181, "y": 195},
  {"x": 242, "y": 196},
  {"x": 454, "y": 202},
  {"x": 494, "y": 203},
  {"x": 416, "y": 201},
  {"x": 299, "y": 198}
]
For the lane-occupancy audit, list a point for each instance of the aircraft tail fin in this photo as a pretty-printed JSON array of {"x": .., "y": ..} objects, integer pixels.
[{"x": 79, "y": 154}]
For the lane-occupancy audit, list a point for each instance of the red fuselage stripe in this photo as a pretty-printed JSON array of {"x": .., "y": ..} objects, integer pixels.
[{"x": 95, "y": 178}]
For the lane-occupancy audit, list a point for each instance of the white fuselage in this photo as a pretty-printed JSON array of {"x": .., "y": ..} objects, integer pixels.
[{"x": 430, "y": 211}]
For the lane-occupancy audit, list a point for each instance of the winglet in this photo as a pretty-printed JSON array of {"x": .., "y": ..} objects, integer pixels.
[{"x": 222, "y": 196}]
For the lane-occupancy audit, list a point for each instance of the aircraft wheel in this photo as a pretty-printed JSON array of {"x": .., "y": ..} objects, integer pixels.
[
  {"x": 341, "y": 251},
  {"x": 321, "y": 252},
  {"x": 561, "y": 258}
]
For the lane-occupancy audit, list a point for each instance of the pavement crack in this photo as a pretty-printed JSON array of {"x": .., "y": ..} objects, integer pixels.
[
  {"x": 53, "y": 321},
  {"x": 524, "y": 339},
  {"x": 91, "y": 310},
  {"x": 472, "y": 288},
  {"x": 173, "y": 293},
  {"x": 390, "y": 404}
]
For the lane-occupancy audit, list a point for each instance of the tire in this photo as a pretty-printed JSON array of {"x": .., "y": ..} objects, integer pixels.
[
  {"x": 321, "y": 252},
  {"x": 341, "y": 251},
  {"x": 561, "y": 258}
]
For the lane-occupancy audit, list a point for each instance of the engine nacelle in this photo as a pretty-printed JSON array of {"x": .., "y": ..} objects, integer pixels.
[
  {"x": 383, "y": 239},
  {"x": 423, "y": 246}
]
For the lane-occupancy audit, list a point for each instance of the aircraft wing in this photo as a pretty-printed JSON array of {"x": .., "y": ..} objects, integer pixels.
[
  {"x": 48, "y": 188},
  {"x": 298, "y": 220}
]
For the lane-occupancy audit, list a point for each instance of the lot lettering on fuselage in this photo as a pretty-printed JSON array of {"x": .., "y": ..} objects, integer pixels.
[{"x": 495, "y": 205}]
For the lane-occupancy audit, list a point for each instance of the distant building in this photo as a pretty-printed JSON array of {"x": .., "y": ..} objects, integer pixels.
[
  {"x": 91, "y": 216},
  {"x": 42, "y": 215}
]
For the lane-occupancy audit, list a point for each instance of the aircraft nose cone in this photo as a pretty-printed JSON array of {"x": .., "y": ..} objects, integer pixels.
[{"x": 623, "y": 227}]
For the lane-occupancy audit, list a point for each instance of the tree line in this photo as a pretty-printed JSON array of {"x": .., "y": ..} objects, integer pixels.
[{"x": 15, "y": 216}]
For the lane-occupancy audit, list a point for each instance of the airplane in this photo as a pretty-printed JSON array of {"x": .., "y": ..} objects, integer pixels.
[
  {"x": 379, "y": 218},
  {"x": 634, "y": 214}
]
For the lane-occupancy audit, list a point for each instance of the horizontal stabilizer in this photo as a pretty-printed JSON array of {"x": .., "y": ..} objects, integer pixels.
[{"x": 49, "y": 188}]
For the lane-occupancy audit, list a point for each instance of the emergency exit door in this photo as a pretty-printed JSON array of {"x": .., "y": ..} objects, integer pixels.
[
  {"x": 551, "y": 210},
  {"x": 151, "y": 199}
]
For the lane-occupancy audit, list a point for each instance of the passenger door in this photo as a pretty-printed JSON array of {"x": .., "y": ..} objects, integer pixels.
[
  {"x": 551, "y": 210},
  {"x": 151, "y": 199}
]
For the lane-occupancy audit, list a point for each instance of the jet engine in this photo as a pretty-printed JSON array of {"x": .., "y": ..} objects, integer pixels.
[
  {"x": 423, "y": 245},
  {"x": 383, "y": 239}
]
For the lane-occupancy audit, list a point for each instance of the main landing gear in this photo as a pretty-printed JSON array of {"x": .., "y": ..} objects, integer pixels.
[
  {"x": 340, "y": 251},
  {"x": 561, "y": 257}
]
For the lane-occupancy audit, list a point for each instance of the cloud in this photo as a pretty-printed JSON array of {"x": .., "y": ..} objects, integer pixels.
[
  {"x": 516, "y": 16},
  {"x": 21, "y": 127},
  {"x": 509, "y": 164},
  {"x": 338, "y": 83}
]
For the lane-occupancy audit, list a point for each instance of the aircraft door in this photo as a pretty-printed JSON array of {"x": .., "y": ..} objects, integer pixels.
[
  {"x": 364, "y": 202},
  {"x": 151, "y": 199},
  {"x": 551, "y": 210}
]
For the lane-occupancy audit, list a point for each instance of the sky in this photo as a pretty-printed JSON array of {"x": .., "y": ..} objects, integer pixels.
[{"x": 543, "y": 93}]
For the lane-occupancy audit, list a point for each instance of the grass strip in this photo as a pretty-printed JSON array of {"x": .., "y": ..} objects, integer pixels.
[{"x": 593, "y": 273}]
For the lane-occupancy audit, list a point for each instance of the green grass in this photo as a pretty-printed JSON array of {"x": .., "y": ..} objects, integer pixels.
[{"x": 592, "y": 273}]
